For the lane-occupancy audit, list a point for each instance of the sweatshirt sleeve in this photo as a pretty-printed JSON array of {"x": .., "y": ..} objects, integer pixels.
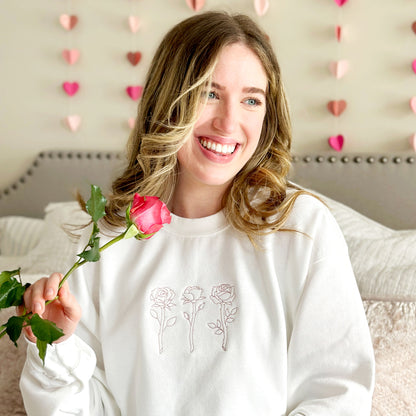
[
  {"x": 73, "y": 380},
  {"x": 330, "y": 354}
]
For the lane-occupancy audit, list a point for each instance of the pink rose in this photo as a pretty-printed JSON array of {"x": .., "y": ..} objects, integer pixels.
[
  {"x": 223, "y": 294},
  {"x": 149, "y": 214}
]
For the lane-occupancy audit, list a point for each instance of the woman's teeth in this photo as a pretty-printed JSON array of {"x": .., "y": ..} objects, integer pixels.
[{"x": 225, "y": 149}]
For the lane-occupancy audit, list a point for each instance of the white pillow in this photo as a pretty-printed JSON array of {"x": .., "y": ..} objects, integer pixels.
[
  {"x": 18, "y": 235},
  {"x": 56, "y": 249}
]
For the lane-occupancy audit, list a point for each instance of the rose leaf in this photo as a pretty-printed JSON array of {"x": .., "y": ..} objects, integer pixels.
[
  {"x": 14, "y": 328},
  {"x": 96, "y": 204}
]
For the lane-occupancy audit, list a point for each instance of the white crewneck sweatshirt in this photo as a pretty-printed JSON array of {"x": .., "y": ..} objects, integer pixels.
[{"x": 197, "y": 322}]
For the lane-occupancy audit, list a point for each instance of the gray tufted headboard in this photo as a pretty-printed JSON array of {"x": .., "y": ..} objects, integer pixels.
[{"x": 382, "y": 187}]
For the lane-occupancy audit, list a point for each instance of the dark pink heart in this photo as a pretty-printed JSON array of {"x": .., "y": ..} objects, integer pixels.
[
  {"x": 134, "y": 91},
  {"x": 336, "y": 142},
  {"x": 70, "y": 88},
  {"x": 340, "y": 2}
]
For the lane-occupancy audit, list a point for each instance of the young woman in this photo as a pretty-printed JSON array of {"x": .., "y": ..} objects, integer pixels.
[{"x": 245, "y": 304}]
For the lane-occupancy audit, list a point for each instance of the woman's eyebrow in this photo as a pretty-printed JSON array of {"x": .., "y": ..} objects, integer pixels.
[{"x": 251, "y": 90}]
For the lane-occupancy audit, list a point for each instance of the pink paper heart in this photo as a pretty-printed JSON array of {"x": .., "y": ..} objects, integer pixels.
[
  {"x": 340, "y": 2},
  {"x": 134, "y": 91},
  {"x": 71, "y": 55},
  {"x": 337, "y": 107},
  {"x": 68, "y": 22},
  {"x": 70, "y": 88},
  {"x": 336, "y": 142},
  {"x": 134, "y": 23},
  {"x": 195, "y": 5},
  {"x": 412, "y": 142},
  {"x": 131, "y": 121},
  {"x": 413, "y": 104},
  {"x": 73, "y": 122},
  {"x": 339, "y": 68},
  {"x": 414, "y": 66},
  {"x": 338, "y": 32},
  {"x": 261, "y": 6},
  {"x": 414, "y": 27}
]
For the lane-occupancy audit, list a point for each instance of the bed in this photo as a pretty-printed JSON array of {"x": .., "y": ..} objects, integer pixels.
[{"x": 372, "y": 196}]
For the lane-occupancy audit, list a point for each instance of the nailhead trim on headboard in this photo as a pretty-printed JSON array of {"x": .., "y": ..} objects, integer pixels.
[
  {"x": 59, "y": 155},
  {"x": 355, "y": 159}
]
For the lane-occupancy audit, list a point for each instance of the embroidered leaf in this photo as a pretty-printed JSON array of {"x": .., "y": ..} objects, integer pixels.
[
  {"x": 171, "y": 321},
  {"x": 234, "y": 311},
  {"x": 154, "y": 314},
  {"x": 96, "y": 204},
  {"x": 219, "y": 331},
  {"x": 229, "y": 319},
  {"x": 219, "y": 325},
  {"x": 186, "y": 315},
  {"x": 212, "y": 325},
  {"x": 201, "y": 306}
]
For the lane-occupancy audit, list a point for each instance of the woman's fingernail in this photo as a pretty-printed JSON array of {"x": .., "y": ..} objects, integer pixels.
[
  {"x": 37, "y": 307},
  {"x": 49, "y": 292}
]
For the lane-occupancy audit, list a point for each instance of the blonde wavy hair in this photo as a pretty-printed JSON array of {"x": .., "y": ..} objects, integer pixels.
[{"x": 178, "y": 75}]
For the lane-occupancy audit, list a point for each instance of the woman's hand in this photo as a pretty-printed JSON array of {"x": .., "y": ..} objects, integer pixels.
[{"x": 64, "y": 311}]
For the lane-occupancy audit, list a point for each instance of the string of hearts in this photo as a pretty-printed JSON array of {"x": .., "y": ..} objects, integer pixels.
[
  {"x": 338, "y": 69},
  {"x": 71, "y": 57},
  {"x": 134, "y": 57},
  {"x": 260, "y": 6}
]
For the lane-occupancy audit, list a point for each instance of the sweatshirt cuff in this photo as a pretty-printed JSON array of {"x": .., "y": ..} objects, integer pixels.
[{"x": 68, "y": 361}]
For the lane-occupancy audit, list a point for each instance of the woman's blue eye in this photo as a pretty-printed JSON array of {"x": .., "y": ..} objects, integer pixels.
[
  {"x": 252, "y": 101},
  {"x": 212, "y": 95}
]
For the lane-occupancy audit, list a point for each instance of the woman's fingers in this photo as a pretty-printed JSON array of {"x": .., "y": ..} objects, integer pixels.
[
  {"x": 70, "y": 305},
  {"x": 51, "y": 286}
]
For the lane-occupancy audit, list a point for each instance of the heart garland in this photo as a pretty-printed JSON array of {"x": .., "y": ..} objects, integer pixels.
[
  {"x": 336, "y": 142},
  {"x": 261, "y": 6},
  {"x": 195, "y": 5},
  {"x": 134, "y": 57},
  {"x": 337, "y": 107},
  {"x": 414, "y": 27},
  {"x": 338, "y": 32},
  {"x": 134, "y": 91},
  {"x": 134, "y": 23},
  {"x": 73, "y": 122},
  {"x": 414, "y": 66},
  {"x": 68, "y": 22},
  {"x": 70, "y": 88},
  {"x": 339, "y": 68},
  {"x": 71, "y": 55}
]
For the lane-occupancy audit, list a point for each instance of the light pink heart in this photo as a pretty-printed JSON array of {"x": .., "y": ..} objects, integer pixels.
[
  {"x": 414, "y": 66},
  {"x": 339, "y": 68},
  {"x": 337, "y": 107},
  {"x": 340, "y": 2},
  {"x": 131, "y": 121},
  {"x": 412, "y": 142},
  {"x": 195, "y": 5},
  {"x": 413, "y": 104},
  {"x": 134, "y": 91},
  {"x": 261, "y": 6},
  {"x": 336, "y": 142},
  {"x": 73, "y": 122},
  {"x": 134, "y": 23},
  {"x": 70, "y": 88},
  {"x": 68, "y": 22},
  {"x": 71, "y": 55}
]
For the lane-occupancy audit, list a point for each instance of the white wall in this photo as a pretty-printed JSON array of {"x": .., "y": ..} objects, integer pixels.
[{"x": 380, "y": 46}]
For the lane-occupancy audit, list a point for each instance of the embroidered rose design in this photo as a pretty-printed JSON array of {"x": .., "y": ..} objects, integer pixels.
[
  {"x": 223, "y": 295},
  {"x": 162, "y": 301},
  {"x": 193, "y": 295}
]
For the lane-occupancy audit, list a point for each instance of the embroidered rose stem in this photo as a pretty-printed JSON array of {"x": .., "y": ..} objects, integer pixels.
[
  {"x": 161, "y": 329},
  {"x": 80, "y": 262},
  {"x": 224, "y": 327},
  {"x": 191, "y": 329}
]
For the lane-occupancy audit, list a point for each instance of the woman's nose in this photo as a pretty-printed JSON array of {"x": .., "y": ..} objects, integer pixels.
[{"x": 225, "y": 119}]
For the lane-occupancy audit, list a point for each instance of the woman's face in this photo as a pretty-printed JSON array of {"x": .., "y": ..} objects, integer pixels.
[{"x": 229, "y": 126}]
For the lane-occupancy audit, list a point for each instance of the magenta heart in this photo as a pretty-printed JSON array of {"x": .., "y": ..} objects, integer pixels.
[
  {"x": 70, "y": 88},
  {"x": 336, "y": 142},
  {"x": 414, "y": 66},
  {"x": 134, "y": 91},
  {"x": 340, "y": 2}
]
